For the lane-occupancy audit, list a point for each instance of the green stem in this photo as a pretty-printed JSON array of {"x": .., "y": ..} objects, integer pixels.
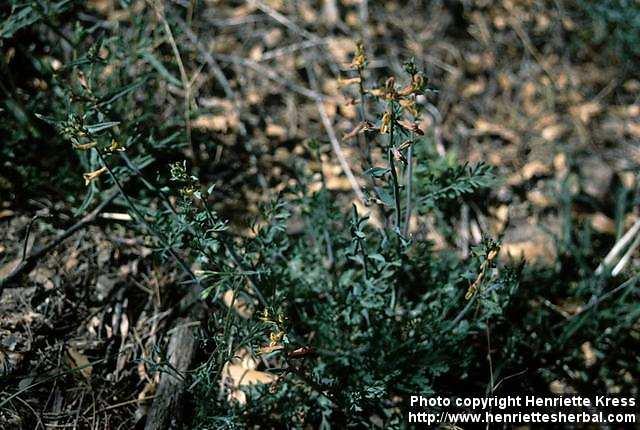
[
  {"x": 228, "y": 244},
  {"x": 364, "y": 142},
  {"x": 394, "y": 174},
  {"x": 409, "y": 182},
  {"x": 364, "y": 259},
  {"x": 142, "y": 220},
  {"x": 407, "y": 217}
]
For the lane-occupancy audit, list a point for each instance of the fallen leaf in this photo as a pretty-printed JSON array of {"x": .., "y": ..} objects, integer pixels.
[
  {"x": 602, "y": 223},
  {"x": 9, "y": 267},
  {"x": 585, "y": 111},
  {"x": 500, "y": 218},
  {"x": 560, "y": 165},
  {"x": 529, "y": 171},
  {"x": 538, "y": 198},
  {"x": 71, "y": 261},
  {"x": 116, "y": 216},
  {"x": 307, "y": 12},
  {"x": 6, "y": 213},
  {"x": 221, "y": 123},
  {"x": 474, "y": 88},
  {"x": 240, "y": 371},
  {"x": 243, "y": 376},
  {"x": 240, "y": 304},
  {"x": 78, "y": 360},
  {"x": 341, "y": 48},
  {"x": 633, "y": 128},
  {"x": 632, "y": 110},
  {"x": 272, "y": 37},
  {"x": 102, "y": 6},
  {"x": 553, "y": 132},
  {"x": 535, "y": 168},
  {"x": 277, "y": 131},
  {"x": 483, "y": 127},
  {"x": 632, "y": 86},
  {"x": 628, "y": 179},
  {"x": 589, "y": 353},
  {"x": 255, "y": 53},
  {"x": 559, "y": 387},
  {"x": 330, "y": 13},
  {"x": 529, "y": 250}
]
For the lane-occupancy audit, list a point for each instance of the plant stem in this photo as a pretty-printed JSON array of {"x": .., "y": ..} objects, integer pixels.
[
  {"x": 148, "y": 226},
  {"x": 364, "y": 142},
  {"x": 392, "y": 167},
  {"x": 364, "y": 259},
  {"x": 409, "y": 182},
  {"x": 186, "y": 82},
  {"x": 407, "y": 216}
]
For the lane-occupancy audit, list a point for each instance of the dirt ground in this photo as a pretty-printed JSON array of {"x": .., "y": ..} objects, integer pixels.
[{"x": 509, "y": 90}]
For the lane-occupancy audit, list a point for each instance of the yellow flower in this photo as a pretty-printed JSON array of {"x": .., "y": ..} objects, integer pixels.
[
  {"x": 88, "y": 177},
  {"x": 359, "y": 59},
  {"x": 275, "y": 338},
  {"x": 410, "y": 106},
  {"x": 115, "y": 147},
  {"x": 386, "y": 123},
  {"x": 265, "y": 316}
]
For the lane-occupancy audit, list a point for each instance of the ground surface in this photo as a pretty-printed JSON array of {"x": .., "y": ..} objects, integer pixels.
[{"x": 512, "y": 90}]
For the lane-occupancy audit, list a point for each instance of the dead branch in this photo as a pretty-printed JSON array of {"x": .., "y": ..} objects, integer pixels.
[{"x": 166, "y": 410}]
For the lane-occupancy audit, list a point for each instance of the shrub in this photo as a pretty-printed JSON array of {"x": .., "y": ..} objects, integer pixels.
[
  {"x": 613, "y": 25},
  {"x": 345, "y": 317}
]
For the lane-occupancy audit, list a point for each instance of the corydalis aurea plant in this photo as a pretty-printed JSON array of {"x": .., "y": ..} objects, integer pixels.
[{"x": 399, "y": 121}]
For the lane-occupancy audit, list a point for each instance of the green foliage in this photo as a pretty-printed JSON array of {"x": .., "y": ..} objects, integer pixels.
[
  {"x": 613, "y": 24},
  {"x": 444, "y": 180},
  {"x": 23, "y": 15},
  {"x": 352, "y": 317},
  {"x": 382, "y": 322},
  {"x": 87, "y": 83}
]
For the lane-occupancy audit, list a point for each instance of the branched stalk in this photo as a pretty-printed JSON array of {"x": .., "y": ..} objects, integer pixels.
[
  {"x": 140, "y": 216},
  {"x": 364, "y": 143},
  {"x": 364, "y": 259},
  {"x": 409, "y": 181},
  {"x": 228, "y": 244},
  {"x": 365, "y": 147},
  {"x": 392, "y": 167}
]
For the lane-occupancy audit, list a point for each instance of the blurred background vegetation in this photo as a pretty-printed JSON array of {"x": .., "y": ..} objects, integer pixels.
[{"x": 227, "y": 208}]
